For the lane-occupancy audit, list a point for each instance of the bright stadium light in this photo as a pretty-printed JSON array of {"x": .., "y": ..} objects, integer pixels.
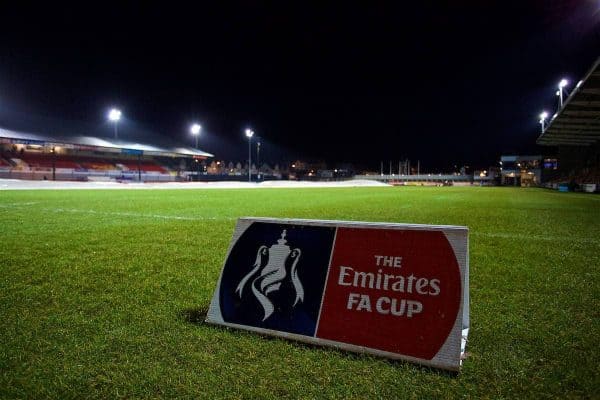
[
  {"x": 195, "y": 130},
  {"x": 249, "y": 134},
  {"x": 114, "y": 115},
  {"x": 561, "y": 86},
  {"x": 563, "y": 83},
  {"x": 543, "y": 117}
]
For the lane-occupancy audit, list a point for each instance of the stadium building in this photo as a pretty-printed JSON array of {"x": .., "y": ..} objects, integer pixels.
[
  {"x": 574, "y": 130},
  {"x": 57, "y": 157},
  {"x": 521, "y": 170}
]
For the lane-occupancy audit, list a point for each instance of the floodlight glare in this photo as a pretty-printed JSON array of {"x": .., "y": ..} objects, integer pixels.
[
  {"x": 195, "y": 129},
  {"x": 114, "y": 115},
  {"x": 543, "y": 117},
  {"x": 563, "y": 83},
  {"x": 249, "y": 134}
]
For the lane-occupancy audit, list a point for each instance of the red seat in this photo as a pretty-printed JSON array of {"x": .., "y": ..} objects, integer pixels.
[{"x": 39, "y": 160}]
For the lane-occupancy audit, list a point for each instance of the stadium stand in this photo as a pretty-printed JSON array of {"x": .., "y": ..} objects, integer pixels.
[
  {"x": 35, "y": 156},
  {"x": 575, "y": 131},
  {"x": 45, "y": 160}
]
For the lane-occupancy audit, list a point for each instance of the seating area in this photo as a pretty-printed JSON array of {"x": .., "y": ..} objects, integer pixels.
[
  {"x": 586, "y": 175},
  {"x": 146, "y": 166},
  {"x": 42, "y": 161},
  {"x": 45, "y": 161},
  {"x": 96, "y": 164},
  {"x": 583, "y": 179}
]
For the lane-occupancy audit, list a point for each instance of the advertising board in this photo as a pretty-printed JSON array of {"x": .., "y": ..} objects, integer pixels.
[{"x": 393, "y": 290}]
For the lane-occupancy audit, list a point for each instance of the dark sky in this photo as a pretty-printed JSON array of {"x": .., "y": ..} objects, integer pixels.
[{"x": 444, "y": 82}]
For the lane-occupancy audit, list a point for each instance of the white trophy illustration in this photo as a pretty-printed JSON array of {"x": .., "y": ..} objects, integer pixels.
[{"x": 268, "y": 279}]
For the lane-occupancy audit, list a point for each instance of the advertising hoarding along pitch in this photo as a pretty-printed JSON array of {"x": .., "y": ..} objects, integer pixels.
[{"x": 393, "y": 290}]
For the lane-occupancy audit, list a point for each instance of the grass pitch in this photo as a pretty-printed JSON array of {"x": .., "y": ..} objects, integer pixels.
[{"x": 103, "y": 294}]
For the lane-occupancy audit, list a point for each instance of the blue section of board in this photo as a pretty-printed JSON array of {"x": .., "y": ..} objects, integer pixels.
[
  {"x": 275, "y": 275},
  {"x": 132, "y": 151}
]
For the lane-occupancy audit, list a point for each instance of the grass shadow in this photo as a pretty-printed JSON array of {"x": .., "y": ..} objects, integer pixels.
[
  {"x": 195, "y": 315},
  {"x": 358, "y": 356}
]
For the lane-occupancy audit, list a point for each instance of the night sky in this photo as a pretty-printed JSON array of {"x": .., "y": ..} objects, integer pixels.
[{"x": 458, "y": 82}]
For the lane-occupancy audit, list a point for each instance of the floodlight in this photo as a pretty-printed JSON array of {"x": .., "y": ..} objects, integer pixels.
[
  {"x": 561, "y": 86},
  {"x": 543, "y": 117},
  {"x": 563, "y": 83},
  {"x": 114, "y": 115},
  {"x": 249, "y": 134},
  {"x": 195, "y": 129}
]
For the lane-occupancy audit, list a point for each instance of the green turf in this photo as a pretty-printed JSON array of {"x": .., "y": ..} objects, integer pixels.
[{"x": 103, "y": 294}]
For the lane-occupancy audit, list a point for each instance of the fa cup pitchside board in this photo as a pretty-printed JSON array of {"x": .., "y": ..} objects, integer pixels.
[{"x": 394, "y": 290}]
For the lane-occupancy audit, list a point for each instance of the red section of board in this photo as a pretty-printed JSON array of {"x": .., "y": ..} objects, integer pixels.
[{"x": 406, "y": 305}]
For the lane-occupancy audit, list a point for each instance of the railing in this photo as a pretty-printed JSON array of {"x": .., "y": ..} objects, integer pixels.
[
  {"x": 74, "y": 175},
  {"x": 62, "y": 174},
  {"x": 417, "y": 178}
]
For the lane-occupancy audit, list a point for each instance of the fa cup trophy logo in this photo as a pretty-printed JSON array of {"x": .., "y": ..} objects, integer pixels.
[{"x": 265, "y": 279}]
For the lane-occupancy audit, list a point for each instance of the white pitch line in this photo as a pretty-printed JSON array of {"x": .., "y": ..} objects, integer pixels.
[
  {"x": 117, "y": 214},
  {"x": 517, "y": 236},
  {"x": 502, "y": 235},
  {"x": 135, "y": 215},
  {"x": 17, "y": 205}
]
